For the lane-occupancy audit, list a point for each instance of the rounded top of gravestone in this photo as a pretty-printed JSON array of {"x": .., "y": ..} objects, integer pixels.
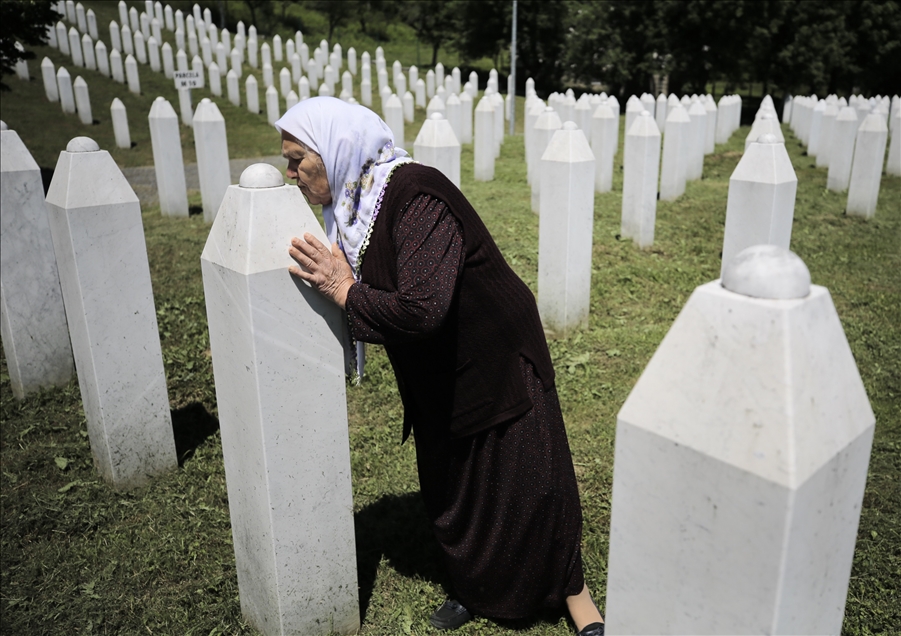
[
  {"x": 82, "y": 144},
  {"x": 767, "y": 115},
  {"x": 768, "y": 138},
  {"x": 436, "y": 116},
  {"x": 548, "y": 109},
  {"x": 3, "y": 125},
  {"x": 570, "y": 125},
  {"x": 261, "y": 175},
  {"x": 767, "y": 271},
  {"x": 205, "y": 100},
  {"x": 645, "y": 113}
]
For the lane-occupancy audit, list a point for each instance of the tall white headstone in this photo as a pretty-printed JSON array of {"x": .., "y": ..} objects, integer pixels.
[
  {"x": 231, "y": 82},
  {"x": 640, "y": 170},
  {"x": 695, "y": 165},
  {"x": 272, "y": 105},
  {"x": 761, "y": 203},
  {"x": 465, "y": 118},
  {"x": 565, "y": 231},
  {"x": 844, "y": 132},
  {"x": 102, "y": 58},
  {"x": 546, "y": 125},
  {"x": 483, "y": 141},
  {"x": 394, "y": 117},
  {"x": 676, "y": 144},
  {"x": 116, "y": 70},
  {"x": 893, "y": 162},
  {"x": 168, "y": 163},
  {"x": 288, "y": 479},
  {"x": 64, "y": 86},
  {"x": 48, "y": 75},
  {"x": 710, "y": 134},
  {"x": 120, "y": 123},
  {"x": 603, "y": 140},
  {"x": 252, "y": 91},
  {"x": 32, "y": 317},
  {"x": 131, "y": 75},
  {"x": 211, "y": 146},
  {"x": 83, "y": 101},
  {"x": 740, "y": 463},
  {"x": 866, "y": 172},
  {"x": 436, "y": 145},
  {"x": 98, "y": 238}
]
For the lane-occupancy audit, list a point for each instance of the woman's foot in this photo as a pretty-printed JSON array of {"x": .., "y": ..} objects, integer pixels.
[
  {"x": 451, "y": 615},
  {"x": 585, "y": 614}
]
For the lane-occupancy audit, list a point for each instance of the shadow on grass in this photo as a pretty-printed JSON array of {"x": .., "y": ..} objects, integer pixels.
[
  {"x": 191, "y": 425},
  {"x": 396, "y": 527}
]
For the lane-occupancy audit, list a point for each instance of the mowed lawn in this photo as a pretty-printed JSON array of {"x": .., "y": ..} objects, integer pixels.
[{"x": 81, "y": 558}]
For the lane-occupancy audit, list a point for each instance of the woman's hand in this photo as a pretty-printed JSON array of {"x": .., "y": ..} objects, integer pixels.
[{"x": 328, "y": 271}]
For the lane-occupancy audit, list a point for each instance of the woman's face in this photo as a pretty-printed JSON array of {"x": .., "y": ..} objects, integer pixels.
[{"x": 305, "y": 167}]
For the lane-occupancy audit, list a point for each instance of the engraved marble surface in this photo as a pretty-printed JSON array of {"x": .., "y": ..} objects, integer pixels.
[{"x": 32, "y": 316}]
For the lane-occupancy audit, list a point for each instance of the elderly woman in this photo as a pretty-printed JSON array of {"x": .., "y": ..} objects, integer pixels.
[{"x": 416, "y": 270}]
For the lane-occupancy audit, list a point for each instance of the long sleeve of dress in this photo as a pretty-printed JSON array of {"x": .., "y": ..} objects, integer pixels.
[{"x": 429, "y": 245}]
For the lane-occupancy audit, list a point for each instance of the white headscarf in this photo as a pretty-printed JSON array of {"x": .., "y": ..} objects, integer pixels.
[{"x": 357, "y": 149}]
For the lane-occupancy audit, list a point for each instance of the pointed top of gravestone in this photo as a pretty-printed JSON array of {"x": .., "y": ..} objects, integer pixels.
[
  {"x": 767, "y": 271},
  {"x": 768, "y": 138},
  {"x": 79, "y": 82},
  {"x": 644, "y": 126},
  {"x": 874, "y": 122},
  {"x": 697, "y": 109},
  {"x": 82, "y": 144},
  {"x": 677, "y": 113},
  {"x": 47, "y": 63},
  {"x": 765, "y": 163},
  {"x": 568, "y": 145},
  {"x": 62, "y": 72},
  {"x": 117, "y": 104},
  {"x": 3, "y": 125},
  {"x": 847, "y": 113},
  {"x": 250, "y": 81},
  {"x": 436, "y": 116},
  {"x": 261, "y": 175},
  {"x": 603, "y": 111}
]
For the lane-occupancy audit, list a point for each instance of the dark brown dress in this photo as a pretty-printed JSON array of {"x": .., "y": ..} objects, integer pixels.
[{"x": 503, "y": 502}]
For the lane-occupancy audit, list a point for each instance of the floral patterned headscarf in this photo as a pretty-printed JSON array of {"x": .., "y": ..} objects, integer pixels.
[{"x": 357, "y": 149}]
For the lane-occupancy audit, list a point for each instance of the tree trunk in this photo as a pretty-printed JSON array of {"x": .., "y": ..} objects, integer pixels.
[{"x": 435, "y": 46}]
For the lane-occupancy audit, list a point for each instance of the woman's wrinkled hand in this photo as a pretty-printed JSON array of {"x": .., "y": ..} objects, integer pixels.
[{"x": 326, "y": 270}]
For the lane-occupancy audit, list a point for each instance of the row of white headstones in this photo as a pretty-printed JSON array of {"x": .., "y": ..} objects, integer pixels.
[{"x": 743, "y": 448}]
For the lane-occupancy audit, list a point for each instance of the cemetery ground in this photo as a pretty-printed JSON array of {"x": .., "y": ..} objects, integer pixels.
[{"x": 81, "y": 558}]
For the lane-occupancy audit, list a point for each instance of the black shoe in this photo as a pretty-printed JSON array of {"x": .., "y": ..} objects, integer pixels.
[
  {"x": 451, "y": 615},
  {"x": 594, "y": 629}
]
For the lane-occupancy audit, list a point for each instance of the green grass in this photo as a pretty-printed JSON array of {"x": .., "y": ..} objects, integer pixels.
[{"x": 79, "y": 557}]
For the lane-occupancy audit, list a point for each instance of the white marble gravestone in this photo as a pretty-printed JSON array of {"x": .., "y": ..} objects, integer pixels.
[
  {"x": 710, "y": 135},
  {"x": 64, "y": 87},
  {"x": 168, "y": 163},
  {"x": 633, "y": 110},
  {"x": 546, "y": 125},
  {"x": 698, "y": 132},
  {"x": 116, "y": 69},
  {"x": 761, "y": 203},
  {"x": 215, "y": 80},
  {"x": 278, "y": 359},
  {"x": 483, "y": 141},
  {"x": 120, "y": 123},
  {"x": 436, "y": 145},
  {"x": 98, "y": 237},
  {"x": 87, "y": 52},
  {"x": 660, "y": 113},
  {"x": 32, "y": 317},
  {"x": 893, "y": 161},
  {"x": 565, "y": 231},
  {"x": 272, "y": 113},
  {"x": 75, "y": 47},
  {"x": 740, "y": 463},
  {"x": 676, "y": 144},
  {"x": 394, "y": 117},
  {"x": 841, "y": 154},
  {"x": 866, "y": 171},
  {"x": 252, "y": 91},
  {"x": 826, "y": 135},
  {"x": 211, "y": 146},
  {"x": 641, "y": 158},
  {"x": 465, "y": 118},
  {"x": 48, "y": 75},
  {"x": 82, "y": 101},
  {"x": 231, "y": 84},
  {"x": 131, "y": 75},
  {"x": 603, "y": 140},
  {"x": 408, "y": 105}
]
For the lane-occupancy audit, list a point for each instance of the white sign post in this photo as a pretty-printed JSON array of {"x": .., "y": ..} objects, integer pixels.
[{"x": 188, "y": 79}]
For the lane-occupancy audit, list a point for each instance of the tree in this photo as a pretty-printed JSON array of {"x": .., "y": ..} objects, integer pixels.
[
  {"x": 434, "y": 21},
  {"x": 24, "y": 21},
  {"x": 335, "y": 11}
]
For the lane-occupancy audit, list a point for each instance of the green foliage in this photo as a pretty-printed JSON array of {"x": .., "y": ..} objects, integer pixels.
[{"x": 25, "y": 21}]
